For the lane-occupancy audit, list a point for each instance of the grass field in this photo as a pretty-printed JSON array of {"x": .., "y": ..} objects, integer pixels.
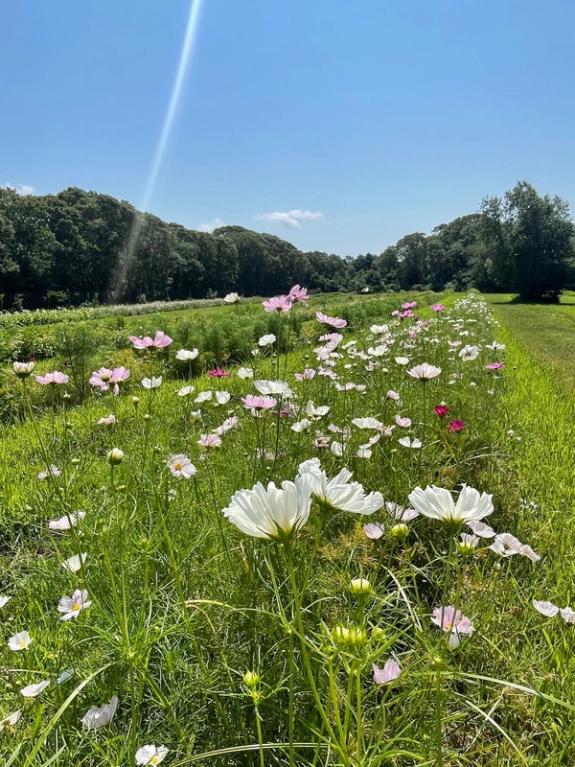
[{"x": 347, "y": 632}]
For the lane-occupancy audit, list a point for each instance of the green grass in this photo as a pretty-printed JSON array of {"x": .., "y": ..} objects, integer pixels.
[
  {"x": 547, "y": 330},
  {"x": 184, "y": 603}
]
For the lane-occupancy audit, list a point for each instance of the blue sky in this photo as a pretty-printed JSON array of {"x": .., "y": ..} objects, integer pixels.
[{"x": 355, "y": 122}]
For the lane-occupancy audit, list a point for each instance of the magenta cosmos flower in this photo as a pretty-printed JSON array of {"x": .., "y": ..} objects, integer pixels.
[
  {"x": 54, "y": 378},
  {"x": 334, "y": 322},
  {"x": 297, "y": 293},
  {"x": 218, "y": 373},
  {"x": 453, "y": 622},
  {"x": 455, "y": 426},
  {"x": 438, "y": 308},
  {"x": 278, "y": 304},
  {"x": 441, "y": 410},
  {"x": 495, "y": 366},
  {"x": 159, "y": 341}
]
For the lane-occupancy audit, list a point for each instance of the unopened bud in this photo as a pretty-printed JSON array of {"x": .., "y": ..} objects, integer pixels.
[{"x": 115, "y": 456}]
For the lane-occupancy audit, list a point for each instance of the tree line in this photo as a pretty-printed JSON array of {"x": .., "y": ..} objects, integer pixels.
[{"x": 79, "y": 247}]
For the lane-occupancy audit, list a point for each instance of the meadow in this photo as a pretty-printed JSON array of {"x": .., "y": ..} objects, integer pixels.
[{"x": 400, "y": 595}]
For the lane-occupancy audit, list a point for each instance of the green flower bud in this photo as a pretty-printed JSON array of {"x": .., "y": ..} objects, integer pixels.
[{"x": 115, "y": 456}]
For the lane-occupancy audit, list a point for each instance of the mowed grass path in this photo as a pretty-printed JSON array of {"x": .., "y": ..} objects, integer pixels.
[
  {"x": 548, "y": 332},
  {"x": 537, "y": 476}
]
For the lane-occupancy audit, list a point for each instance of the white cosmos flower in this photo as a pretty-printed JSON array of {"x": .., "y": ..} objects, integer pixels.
[
  {"x": 204, "y": 396},
  {"x": 231, "y": 298},
  {"x": 33, "y": 690},
  {"x": 402, "y": 360},
  {"x": 367, "y": 423},
  {"x": 73, "y": 564},
  {"x": 245, "y": 373},
  {"x": 187, "y": 355},
  {"x": 271, "y": 512},
  {"x": 339, "y": 492},
  {"x": 437, "y": 503},
  {"x": 414, "y": 444},
  {"x": 97, "y": 717},
  {"x": 506, "y": 545},
  {"x": 469, "y": 353},
  {"x": 316, "y": 412},
  {"x": 185, "y": 390},
  {"x": 300, "y": 426},
  {"x": 66, "y": 522},
  {"x": 548, "y": 609},
  {"x": 20, "y": 641},
  {"x": 152, "y": 383},
  {"x": 181, "y": 466},
  {"x": 151, "y": 754},
  {"x": 424, "y": 372},
  {"x": 72, "y": 606},
  {"x": 4, "y": 600},
  {"x": 11, "y": 720},
  {"x": 379, "y": 329},
  {"x": 274, "y": 388},
  {"x": 568, "y": 614},
  {"x": 267, "y": 340},
  {"x": 222, "y": 397},
  {"x": 481, "y": 529}
]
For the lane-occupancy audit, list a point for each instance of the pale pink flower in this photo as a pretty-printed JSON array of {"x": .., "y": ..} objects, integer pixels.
[
  {"x": 307, "y": 375},
  {"x": 278, "y": 304},
  {"x": 209, "y": 441},
  {"x": 373, "y": 531},
  {"x": 424, "y": 372},
  {"x": 159, "y": 341},
  {"x": 495, "y": 366},
  {"x": 54, "y": 378},
  {"x": 49, "y": 471},
  {"x": 255, "y": 402},
  {"x": 453, "y": 622},
  {"x": 297, "y": 293},
  {"x": 108, "y": 420},
  {"x": 334, "y": 322},
  {"x": 481, "y": 529},
  {"x": 392, "y": 395},
  {"x": 104, "y": 378},
  {"x": 403, "y": 423},
  {"x": 568, "y": 614},
  {"x": 72, "y": 606},
  {"x": 400, "y": 513},
  {"x": 389, "y": 673},
  {"x": 181, "y": 466},
  {"x": 438, "y": 308}
]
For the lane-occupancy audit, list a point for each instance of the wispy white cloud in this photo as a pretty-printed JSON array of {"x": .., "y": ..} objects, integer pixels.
[
  {"x": 290, "y": 218},
  {"x": 22, "y": 189},
  {"x": 209, "y": 226}
]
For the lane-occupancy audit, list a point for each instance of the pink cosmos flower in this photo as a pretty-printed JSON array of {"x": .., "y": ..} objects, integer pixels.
[
  {"x": 453, "y": 622},
  {"x": 54, "y": 378},
  {"x": 438, "y": 308},
  {"x": 209, "y": 441},
  {"x": 108, "y": 420},
  {"x": 403, "y": 423},
  {"x": 278, "y": 304},
  {"x": 104, "y": 378},
  {"x": 218, "y": 373},
  {"x": 256, "y": 402},
  {"x": 389, "y": 673},
  {"x": 424, "y": 372},
  {"x": 159, "y": 341},
  {"x": 297, "y": 293},
  {"x": 373, "y": 531},
  {"x": 181, "y": 466},
  {"x": 404, "y": 314},
  {"x": 455, "y": 426},
  {"x": 307, "y": 375},
  {"x": 409, "y": 305},
  {"x": 495, "y": 366},
  {"x": 441, "y": 410},
  {"x": 334, "y": 322}
]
